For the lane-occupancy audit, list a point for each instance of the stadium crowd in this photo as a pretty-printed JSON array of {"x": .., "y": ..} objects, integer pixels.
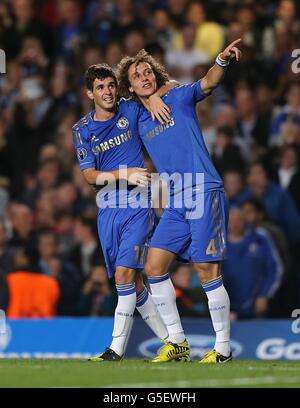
[{"x": 251, "y": 125}]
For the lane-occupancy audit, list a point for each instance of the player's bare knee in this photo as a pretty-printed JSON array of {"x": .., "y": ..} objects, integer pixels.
[
  {"x": 207, "y": 271},
  {"x": 124, "y": 275},
  {"x": 153, "y": 269}
]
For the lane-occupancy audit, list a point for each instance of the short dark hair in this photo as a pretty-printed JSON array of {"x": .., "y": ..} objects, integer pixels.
[
  {"x": 98, "y": 71},
  {"x": 159, "y": 70}
]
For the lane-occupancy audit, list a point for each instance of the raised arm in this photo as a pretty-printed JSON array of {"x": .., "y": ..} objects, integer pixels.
[{"x": 216, "y": 73}]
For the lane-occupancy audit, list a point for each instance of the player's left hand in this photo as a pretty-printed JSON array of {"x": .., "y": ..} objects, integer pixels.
[
  {"x": 232, "y": 51},
  {"x": 158, "y": 109}
]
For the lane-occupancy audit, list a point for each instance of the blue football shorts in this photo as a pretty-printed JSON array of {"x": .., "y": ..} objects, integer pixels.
[
  {"x": 200, "y": 238},
  {"x": 124, "y": 235}
]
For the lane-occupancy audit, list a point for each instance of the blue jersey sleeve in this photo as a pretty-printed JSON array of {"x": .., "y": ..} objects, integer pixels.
[
  {"x": 190, "y": 93},
  {"x": 85, "y": 156}
]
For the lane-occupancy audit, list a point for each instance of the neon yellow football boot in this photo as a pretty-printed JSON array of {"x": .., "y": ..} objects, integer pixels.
[
  {"x": 173, "y": 352},
  {"x": 214, "y": 357}
]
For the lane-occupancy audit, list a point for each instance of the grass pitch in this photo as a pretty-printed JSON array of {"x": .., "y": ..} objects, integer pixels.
[{"x": 141, "y": 374}]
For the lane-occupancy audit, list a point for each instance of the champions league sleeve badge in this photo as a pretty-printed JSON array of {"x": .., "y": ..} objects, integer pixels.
[{"x": 81, "y": 154}]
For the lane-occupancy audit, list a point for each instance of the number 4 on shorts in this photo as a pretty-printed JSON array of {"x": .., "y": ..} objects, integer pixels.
[{"x": 211, "y": 249}]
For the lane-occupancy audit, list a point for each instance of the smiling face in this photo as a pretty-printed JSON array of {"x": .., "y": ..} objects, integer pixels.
[
  {"x": 142, "y": 79},
  {"x": 104, "y": 93}
]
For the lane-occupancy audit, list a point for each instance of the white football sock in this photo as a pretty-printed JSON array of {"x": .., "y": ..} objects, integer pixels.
[
  {"x": 123, "y": 317},
  {"x": 164, "y": 297},
  {"x": 150, "y": 315},
  {"x": 219, "y": 308}
]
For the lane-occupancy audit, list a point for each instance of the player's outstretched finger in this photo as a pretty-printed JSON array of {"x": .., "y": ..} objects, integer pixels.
[{"x": 235, "y": 42}]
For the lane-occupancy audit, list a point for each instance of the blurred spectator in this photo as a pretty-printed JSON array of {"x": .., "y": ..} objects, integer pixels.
[
  {"x": 92, "y": 54},
  {"x": 10, "y": 88},
  {"x": 252, "y": 272},
  {"x": 45, "y": 209},
  {"x": 32, "y": 57},
  {"x": 290, "y": 113},
  {"x": 64, "y": 99},
  {"x": 246, "y": 19},
  {"x": 29, "y": 130},
  {"x": 113, "y": 55},
  {"x": 66, "y": 274},
  {"x": 98, "y": 297},
  {"x": 225, "y": 115},
  {"x": 289, "y": 173},
  {"x": 134, "y": 41},
  {"x": 278, "y": 203},
  {"x": 66, "y": 197},
  {"x": 126, "y": 20},
  {"x": 286, "y": 14},
  {"x": 47, "y": 177},
  {"x": 190, "y": 301},
  {"x": 31, "y": 295},
  {"x": 181, "y": 62},
  {"x": 7, "y": 264},
  {"x": 253, "y": 126},
  {"x": 234, "y": 186},
  {"x": 162, "y": 29},
  {"x": 99, "y": 22},
  {"x": 24, "y": 24},
  {"x": 176, "y": 10},
  {"x": 226, "y": 154},
  {"x": 87, "y": 252},
  {"x": 70, "y": 33},
  {"x": 63, "y": 227},
  {"x": 4, "y": 198},
  {"x": 255, "y": 216},
  {"x": 23, "y": 233},
  {"x": 209, "y": 35}
]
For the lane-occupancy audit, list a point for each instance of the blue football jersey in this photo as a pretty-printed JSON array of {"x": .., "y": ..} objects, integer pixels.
[
  {"x": 178, "y": 148},
  {"x": 105, "y": 145}
]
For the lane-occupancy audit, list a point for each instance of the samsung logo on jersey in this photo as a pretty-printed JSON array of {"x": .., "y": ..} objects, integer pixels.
[
  {"x": 113, "y": 142},
  {"x": 158, "y": 130}
]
